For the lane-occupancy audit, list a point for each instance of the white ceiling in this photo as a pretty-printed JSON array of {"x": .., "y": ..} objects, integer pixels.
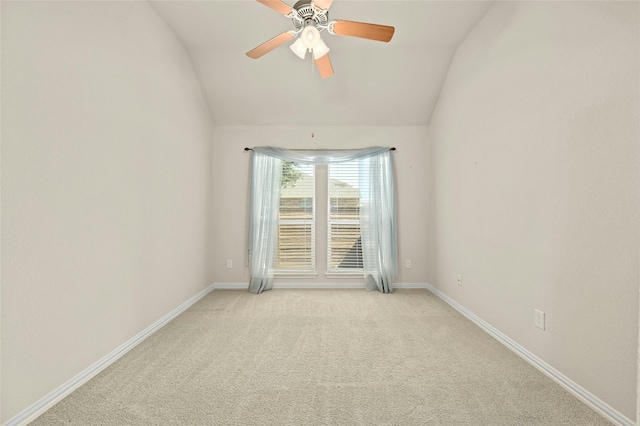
[{"x": 395, "y": 83}]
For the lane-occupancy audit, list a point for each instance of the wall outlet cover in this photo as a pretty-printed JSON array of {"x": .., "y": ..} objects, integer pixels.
[{"x": 538, "y": 318}]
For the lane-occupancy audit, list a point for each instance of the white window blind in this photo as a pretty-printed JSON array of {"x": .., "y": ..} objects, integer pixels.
[
  {"x": 296, "y": 228},
  {"x": 344, "y": 243}
]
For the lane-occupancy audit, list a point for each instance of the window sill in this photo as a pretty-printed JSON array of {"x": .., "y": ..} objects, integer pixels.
[
  {"x": 296, "y": 274},
  {"x": 339, "y": 275}
]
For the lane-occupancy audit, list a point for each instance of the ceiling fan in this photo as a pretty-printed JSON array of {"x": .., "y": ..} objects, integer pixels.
[{"x": 309, "y": 18}]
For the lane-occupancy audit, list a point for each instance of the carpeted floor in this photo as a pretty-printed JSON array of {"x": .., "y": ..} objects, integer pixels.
[{"x": 320, "y": 357}]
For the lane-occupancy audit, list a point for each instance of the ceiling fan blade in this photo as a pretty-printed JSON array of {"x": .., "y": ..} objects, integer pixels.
[
  {"x": 325, "y": 67},
  {"x": 363, "y": 30},
  {"x": 323, "y": 4},
  {"x": 277, "y": 5},
  {"x": 268, "y": 46}
]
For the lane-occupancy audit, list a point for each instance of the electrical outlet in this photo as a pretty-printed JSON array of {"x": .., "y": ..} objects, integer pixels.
[
  {"x": 407, "y": 263},
  {"x": 459, "y": 279},
  {"x": 538, "y": 318},
  {"x": 229, "y": 263}
]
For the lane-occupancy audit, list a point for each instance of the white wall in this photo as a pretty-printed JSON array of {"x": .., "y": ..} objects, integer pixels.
[
  {"x": 106, "y": 171},
  {"x": 534, "y": 172},
  {"x": 231, "y": 165}
]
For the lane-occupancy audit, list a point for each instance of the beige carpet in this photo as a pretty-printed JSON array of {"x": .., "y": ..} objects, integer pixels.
[{"x": 320, "y": 357}]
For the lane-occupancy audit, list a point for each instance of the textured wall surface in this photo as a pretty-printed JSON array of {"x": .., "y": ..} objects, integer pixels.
[
  {"x": 534, "y": 158},
  {"x": 106, "y": 146}
]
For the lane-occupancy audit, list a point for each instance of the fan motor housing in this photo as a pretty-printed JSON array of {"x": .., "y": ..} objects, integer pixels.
[{"x": 305, "y": 16}]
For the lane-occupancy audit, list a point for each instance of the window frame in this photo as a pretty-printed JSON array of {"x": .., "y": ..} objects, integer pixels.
[{"x": 319, "y": 225}]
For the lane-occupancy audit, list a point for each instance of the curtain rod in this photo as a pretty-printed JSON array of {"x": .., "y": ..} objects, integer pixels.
[{"x": 393, "y": 148}]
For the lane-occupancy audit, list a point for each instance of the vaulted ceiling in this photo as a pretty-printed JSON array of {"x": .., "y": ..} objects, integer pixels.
[{"x": 375, "y": 83}]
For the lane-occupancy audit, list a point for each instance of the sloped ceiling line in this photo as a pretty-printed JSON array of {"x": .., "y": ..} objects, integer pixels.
[{"x": 387, "y": 84}]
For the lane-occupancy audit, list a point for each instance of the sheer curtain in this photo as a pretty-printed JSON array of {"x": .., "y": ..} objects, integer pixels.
[
  {"x": 264, "y": 203},
  {"x": 377, "y": 211},
  {"x": 378, "y": 223}
]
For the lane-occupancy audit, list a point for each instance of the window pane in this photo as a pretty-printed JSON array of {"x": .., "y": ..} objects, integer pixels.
[
  {"x": 297, "y": 224},
  {"x": 345, "y": 249}
]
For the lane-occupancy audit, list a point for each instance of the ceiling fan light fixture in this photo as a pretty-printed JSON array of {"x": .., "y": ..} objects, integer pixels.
[
  {"x": 310, "y": 36},
  {"x": 320, "y": 50},
  {"x": 299, "y": 48}
]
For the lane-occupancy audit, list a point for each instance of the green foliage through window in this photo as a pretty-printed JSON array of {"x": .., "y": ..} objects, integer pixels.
[{"x": 290, "y": 175}]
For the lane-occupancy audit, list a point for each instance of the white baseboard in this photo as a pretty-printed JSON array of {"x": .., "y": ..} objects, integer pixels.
[
  {"x": 585, "y": 396},
  {"x": 230, "y": 286},
  {"x": 411, "y": 285},
  {"x": 333, "y": 285},
  {"x": 32, "y": 412}
]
